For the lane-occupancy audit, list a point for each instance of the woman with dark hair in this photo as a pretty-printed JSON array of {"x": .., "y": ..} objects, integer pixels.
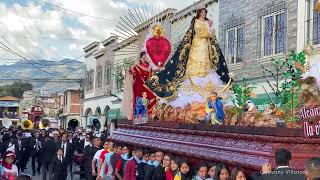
[
  {"x": 196, "y": 67},
  {"x": 8, "y": 169},
  {"x": 237, "y": 174},
  {"x": 222, "y": 172},
  {"x": 202, "y": 171},
  {"x": 174, "y": 170},
  {"x": 134, "y": 87},
  {"x": 185, "y": 169},
  {"x": 211, "y": 171}
]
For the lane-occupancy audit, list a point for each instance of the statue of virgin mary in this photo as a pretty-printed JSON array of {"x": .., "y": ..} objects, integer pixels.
[{"x": 195, "y": 70}]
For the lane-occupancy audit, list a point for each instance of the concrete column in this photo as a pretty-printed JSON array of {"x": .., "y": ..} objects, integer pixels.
[
  {"x": 102, "y": 120},
  {"x": 301, "y": 24}
]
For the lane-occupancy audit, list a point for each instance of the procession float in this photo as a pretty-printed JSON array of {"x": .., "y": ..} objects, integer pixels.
[{"x": 180, "y": 97}]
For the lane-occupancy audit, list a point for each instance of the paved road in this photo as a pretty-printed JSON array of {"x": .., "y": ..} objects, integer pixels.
[{"x": 39, "y": 177}]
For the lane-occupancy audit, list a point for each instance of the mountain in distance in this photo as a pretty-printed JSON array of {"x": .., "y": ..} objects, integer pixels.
[{"x": 65, "y": 68}]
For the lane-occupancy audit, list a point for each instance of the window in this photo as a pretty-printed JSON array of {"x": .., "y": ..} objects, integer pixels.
[
  {"x": 235, "y": 45},
  {"x": 87, "y": 79},
  {"x": 234, "y": 39},
  {"x": 107, "y": 74},
  {"x": 99, "y": 77},
  {"x": 312, "y": 24},
  {"x": 91, "y": 77},
  {"x": 119, "y": 79},
  {"x": 272, "y": 33}
]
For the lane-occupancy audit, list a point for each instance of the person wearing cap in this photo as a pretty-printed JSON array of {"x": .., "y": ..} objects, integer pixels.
[{"x": 10, "y": 170}]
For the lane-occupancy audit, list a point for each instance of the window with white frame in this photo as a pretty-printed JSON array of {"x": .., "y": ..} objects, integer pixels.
[
  {"x": 235, "y": 44},
  {"x": 272, "y": 33},
  {"x": 89, "y": 80},
  {"x": 234, "y": 39}
]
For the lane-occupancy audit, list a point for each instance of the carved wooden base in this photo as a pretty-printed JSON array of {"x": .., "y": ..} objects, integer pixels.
[{"x": 250, "y": 147}]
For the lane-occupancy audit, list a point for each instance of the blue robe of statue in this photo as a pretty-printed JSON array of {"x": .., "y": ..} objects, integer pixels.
[
  {"x": 140, "y": 109},
  {"x": 218, "y": 110}
]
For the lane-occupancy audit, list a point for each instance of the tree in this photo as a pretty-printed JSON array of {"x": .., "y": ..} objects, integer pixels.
[
  {"x": 292, "y": 88},
  {"x": 277, "y": 76},
  {"x": 242, "y": 92},
  {"x": 16, "y": 89},
  {"x": 284, "y": 83}
]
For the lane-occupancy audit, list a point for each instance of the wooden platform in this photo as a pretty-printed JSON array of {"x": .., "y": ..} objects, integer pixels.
[{"x": 250, "y": 147}]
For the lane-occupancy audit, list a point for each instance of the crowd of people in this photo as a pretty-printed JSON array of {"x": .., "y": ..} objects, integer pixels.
[{"x": 53, "y": 152}]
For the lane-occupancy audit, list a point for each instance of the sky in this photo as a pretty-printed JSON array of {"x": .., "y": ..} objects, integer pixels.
[{"x": 37, "y": 30}]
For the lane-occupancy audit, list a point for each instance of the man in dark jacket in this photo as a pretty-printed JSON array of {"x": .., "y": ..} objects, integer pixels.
[
  {"x": 21, "y": 148},
  {"x": 48, "y": 152},
  {"x": 283, "y": 170},
  {"x": 67, "y": 147},
  {"x": 36, "y": 148},
  {"x": 89, "y": 152},
  {"x": 83, "y": 143},
  {"x": 155, "y": 171},
  {"x": 59, "y": 166}
]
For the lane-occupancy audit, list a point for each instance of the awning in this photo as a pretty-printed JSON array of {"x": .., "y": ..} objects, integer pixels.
[
  {"x": 115, "y": 114},
  {"x": 9, "y": 104}
]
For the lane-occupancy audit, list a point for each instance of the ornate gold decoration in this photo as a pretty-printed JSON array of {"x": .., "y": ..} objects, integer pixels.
[
  {"x": 158, "y": 31},
  {"x": 204, "y": 91},
  {"x": 180, "y": 74}
]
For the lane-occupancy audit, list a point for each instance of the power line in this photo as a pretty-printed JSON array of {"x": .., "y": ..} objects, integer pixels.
[
  {"x": 30, "y": 61},
  {"x": 26, "y": 29},
  {"x": 56, "y": 38},
  {"x": 75, "y": 12},
  {"x": 23, "y": 58},
  {"x": 42, "y": 79}
]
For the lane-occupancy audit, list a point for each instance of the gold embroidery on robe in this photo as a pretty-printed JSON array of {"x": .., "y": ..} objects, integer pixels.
[{"x": 202, "y": 67}]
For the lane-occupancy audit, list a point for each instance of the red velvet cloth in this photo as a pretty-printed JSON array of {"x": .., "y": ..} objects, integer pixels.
[
  {"x": 141, "y": 73},
  {"x": 169, "y": 175}
]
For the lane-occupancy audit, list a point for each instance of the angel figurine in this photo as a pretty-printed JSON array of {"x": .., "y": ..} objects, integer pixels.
[{"x": 141, "y": 109}]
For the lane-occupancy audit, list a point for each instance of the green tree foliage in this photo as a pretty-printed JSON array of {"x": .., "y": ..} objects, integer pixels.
[
  {"x": 16, "y": 89},
  {"x": 274, "y": 77},
  {"x": 119, "y": 69},
  {"x": 242, "y": 92},
  {"x": 292, "y": 88},
  {"x": 284, "y": 83}
]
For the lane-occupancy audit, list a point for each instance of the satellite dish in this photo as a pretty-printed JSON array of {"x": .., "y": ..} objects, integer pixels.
[{"x": 6, "y": 123}]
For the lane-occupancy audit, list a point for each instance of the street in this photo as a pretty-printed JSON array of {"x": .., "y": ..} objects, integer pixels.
[{"x": 39, "y": 177}]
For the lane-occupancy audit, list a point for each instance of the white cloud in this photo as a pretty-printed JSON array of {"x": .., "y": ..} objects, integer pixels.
[
  {"x": 42, "y": 32},
  {"x": 72, "y": 46}
]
